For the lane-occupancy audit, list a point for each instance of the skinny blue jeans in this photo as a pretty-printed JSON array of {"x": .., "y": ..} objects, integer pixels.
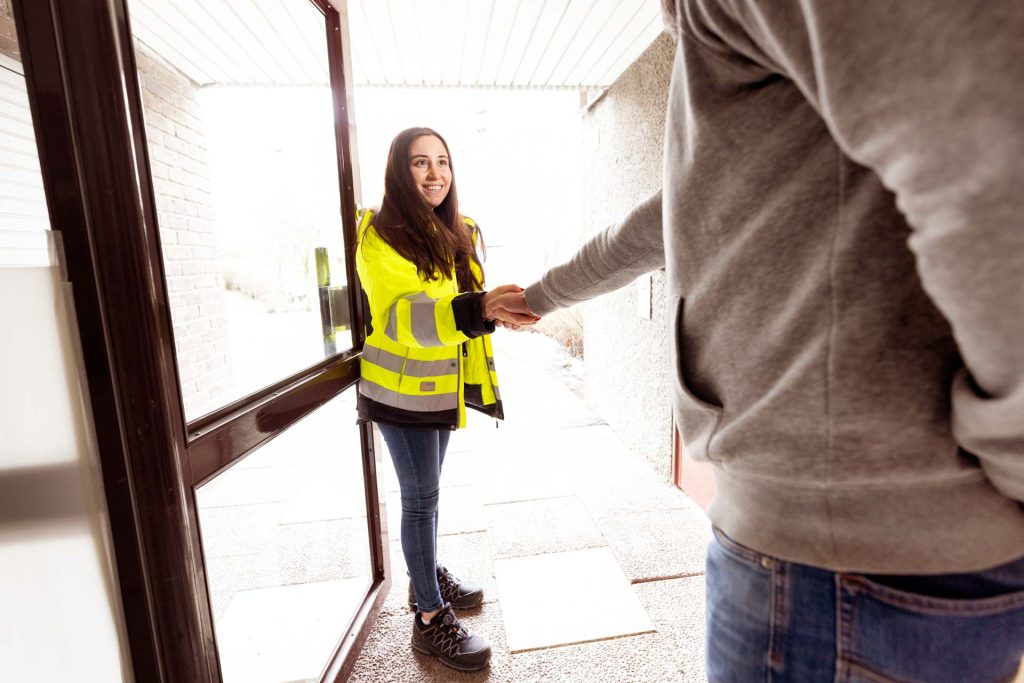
[
  {"x": 772, "y": 620},
  {"x": 418, "y": 455}
]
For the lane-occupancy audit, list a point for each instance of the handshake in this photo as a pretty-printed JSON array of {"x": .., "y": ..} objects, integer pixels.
[{"x": 506, "y": 306}]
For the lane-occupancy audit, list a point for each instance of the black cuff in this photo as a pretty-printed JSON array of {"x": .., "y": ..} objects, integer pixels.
[{"x": 469, "y": 315}]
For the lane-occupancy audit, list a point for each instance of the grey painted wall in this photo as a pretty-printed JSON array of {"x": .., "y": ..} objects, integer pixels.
[{"x": 626, "y": 354}]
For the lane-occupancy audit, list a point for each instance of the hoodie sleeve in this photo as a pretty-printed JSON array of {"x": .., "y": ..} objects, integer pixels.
[{"x": 611, "y": 259}]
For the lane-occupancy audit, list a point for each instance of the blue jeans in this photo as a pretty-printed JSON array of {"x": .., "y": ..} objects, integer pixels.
[
  {"x": 418, "y": 455},
  {"x": 772, "y": 620}
]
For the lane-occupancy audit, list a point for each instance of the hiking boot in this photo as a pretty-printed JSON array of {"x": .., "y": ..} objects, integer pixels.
[
  {"x": 448, "y": 640},
  {"x": 461, "y": 595}
]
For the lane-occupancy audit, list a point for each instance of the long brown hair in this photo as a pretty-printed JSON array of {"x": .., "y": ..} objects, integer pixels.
[{"x": 437, "y": 240}]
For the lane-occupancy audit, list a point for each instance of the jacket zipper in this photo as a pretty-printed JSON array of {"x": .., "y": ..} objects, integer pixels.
[{"x": 461, "y": 401}]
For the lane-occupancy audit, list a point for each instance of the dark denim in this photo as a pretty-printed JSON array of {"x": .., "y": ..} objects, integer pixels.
[
  {"x": 418, "y": 455},
  {"x": 772, "y": 620}
]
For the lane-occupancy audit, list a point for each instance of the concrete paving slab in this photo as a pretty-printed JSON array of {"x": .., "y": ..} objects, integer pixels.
[
  {"x": 330, "y": 495},
  {"x": 228, "y": 575},
  {"x": 541, "y": 526},
  {"x": 564, "y": 409},
  {"x": 547, "y": 439},
  {"x": 567, "y": 598},
  {"x": 677, "y": 607},
  {"x": 250, "y": 486},
  {"x": 517, "y": 479},
  {"x": 318, "y": 551},
  {"x": 239, "y": 529},
  {"x": 657, "y": 543},
  {"x": 284, "y": 634},
  {"x": 292, "y": 554},
  {"x": 610, "y": 491},
  {"x": 633, "y": 659}
]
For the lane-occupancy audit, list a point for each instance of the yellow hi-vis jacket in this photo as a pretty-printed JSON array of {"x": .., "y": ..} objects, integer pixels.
[{"x": 428, "y": 353}]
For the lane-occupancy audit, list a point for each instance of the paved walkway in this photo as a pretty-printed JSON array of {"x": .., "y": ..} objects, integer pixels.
[{"x": 592, "y": 565}]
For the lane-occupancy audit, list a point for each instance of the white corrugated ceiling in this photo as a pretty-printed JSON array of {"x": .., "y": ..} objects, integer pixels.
[{"x": 468, "y": 43}]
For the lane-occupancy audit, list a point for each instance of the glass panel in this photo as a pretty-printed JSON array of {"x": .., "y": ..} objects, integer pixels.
[
  {"x": 287, "y": 549},
  {"x": 24, "y": 221},
  {"x": 240, "y": 129}
]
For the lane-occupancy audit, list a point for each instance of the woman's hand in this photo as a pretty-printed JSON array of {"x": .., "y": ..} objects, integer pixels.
[{"x": 507, "y": 305}]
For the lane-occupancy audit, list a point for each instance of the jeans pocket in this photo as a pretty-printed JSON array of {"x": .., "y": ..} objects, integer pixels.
[
  {"x": 887, "y": 634},
  {"x": 698, "y": 419},
  {"x": 739, "y": 552},
  {"x": 739, "y": 614}
]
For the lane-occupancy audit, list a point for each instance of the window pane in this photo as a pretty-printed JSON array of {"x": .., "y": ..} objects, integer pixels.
[
  {"x": 240, "y": 128},
  {"x": 24, "y": 222},
  {"x": 287, "y": 550}
]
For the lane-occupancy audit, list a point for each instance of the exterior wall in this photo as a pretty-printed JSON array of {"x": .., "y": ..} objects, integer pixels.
[
  {"x": 626, "y": 367},
  {"x": 177, "y": 152}
]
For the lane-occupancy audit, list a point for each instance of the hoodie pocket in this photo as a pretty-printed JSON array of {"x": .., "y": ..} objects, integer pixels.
[{"x": 698, "y": 419}]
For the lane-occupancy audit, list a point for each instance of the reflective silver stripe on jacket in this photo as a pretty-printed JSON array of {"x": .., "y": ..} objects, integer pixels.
[
  {"x": 490, "y": 366},
  {"x": 431, "y": 368},
  {"x": 410, "y": 368},
  {"x": 391, "y": 329},
  {"x": 421, "y": 315},
  {"x": 423, "y": 404}
]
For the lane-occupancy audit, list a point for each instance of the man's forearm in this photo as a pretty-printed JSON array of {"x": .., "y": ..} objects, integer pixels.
[{"x": 611, "y": 259}]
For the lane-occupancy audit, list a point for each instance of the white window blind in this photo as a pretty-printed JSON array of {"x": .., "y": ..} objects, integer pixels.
[{"x": 24, "y": 221}]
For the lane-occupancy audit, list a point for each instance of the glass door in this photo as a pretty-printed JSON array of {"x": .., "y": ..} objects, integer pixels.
[{"x": 211, "y": 226}]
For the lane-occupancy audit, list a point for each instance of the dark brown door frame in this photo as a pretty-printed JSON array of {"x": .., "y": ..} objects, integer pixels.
[{"x": 84, "y": 96}]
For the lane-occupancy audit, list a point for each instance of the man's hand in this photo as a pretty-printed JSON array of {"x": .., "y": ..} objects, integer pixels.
[{"x": 506, "y": 305}]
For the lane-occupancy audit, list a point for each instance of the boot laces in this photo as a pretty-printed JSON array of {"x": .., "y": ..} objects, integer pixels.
[
  {"x": 449, "y": 583},
  {"x": 448, "y": 634}
]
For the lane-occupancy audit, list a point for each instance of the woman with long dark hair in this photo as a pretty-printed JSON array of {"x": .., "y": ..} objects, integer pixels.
[{"x": 427, "y": 356}]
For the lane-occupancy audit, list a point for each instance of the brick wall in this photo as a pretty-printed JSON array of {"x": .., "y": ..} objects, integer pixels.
[{"x": 177, "y": 153}]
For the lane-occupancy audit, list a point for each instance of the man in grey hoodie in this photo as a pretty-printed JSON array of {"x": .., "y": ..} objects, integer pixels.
[{"x": 842, "y": 226}]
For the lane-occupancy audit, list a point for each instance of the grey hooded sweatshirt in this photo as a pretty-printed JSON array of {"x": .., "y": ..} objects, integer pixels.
[{"x": 842, "y": 228}]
